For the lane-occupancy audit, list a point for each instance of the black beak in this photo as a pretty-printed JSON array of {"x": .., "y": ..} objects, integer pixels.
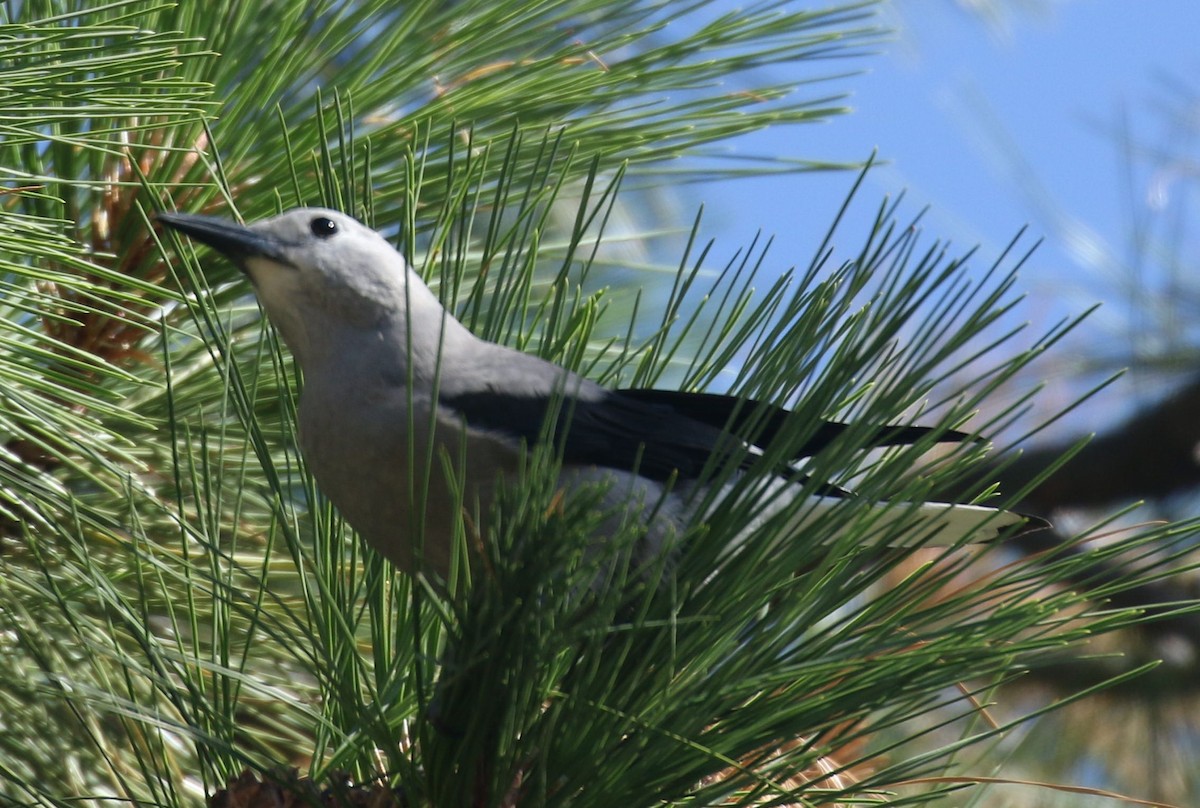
[{"x": 230, "y": 238}]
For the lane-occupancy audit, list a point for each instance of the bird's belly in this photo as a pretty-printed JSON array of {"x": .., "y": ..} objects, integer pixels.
[{"x": 410, "y": 497}]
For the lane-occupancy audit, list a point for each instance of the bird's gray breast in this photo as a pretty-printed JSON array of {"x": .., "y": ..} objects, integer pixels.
[{"x": 393, "y": 466}]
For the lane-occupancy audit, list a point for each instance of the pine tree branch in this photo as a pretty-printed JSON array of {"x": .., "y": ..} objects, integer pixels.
[{"x": 1151, "y": 455}]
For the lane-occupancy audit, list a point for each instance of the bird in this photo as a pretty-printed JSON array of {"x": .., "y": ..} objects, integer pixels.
[{"x": 410, "y": 423}]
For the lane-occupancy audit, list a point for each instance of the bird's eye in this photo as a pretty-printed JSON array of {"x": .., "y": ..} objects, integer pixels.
[{"x": 323, "y": 227}]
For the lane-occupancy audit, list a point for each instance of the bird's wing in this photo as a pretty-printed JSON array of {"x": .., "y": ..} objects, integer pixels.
[
  {"x": 759, "y": 422},
  {"x": 656, "y": 432},
  {"x": 603, "y": 428},
  {"x": 660, "y": 434}
]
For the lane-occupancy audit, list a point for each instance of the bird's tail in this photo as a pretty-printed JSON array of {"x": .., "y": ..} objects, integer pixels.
[{"x": 926, "y": 524}]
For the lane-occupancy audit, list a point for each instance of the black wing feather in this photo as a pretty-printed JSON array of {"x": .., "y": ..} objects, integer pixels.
[
  {"x": 659, "y": 433},
  {"x": 615, "y": 431},
  {"x": 759, "y": 422}
]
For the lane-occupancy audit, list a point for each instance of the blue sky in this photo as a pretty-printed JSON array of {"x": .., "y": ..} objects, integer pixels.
[{"x": 995, "y": 130}]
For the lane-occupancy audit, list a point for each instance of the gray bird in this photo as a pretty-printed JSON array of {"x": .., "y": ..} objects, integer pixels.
[{"x": 391, "y": 379}]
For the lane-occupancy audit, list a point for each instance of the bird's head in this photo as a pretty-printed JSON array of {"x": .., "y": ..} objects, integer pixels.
[{"x": 314, "y": 269}]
